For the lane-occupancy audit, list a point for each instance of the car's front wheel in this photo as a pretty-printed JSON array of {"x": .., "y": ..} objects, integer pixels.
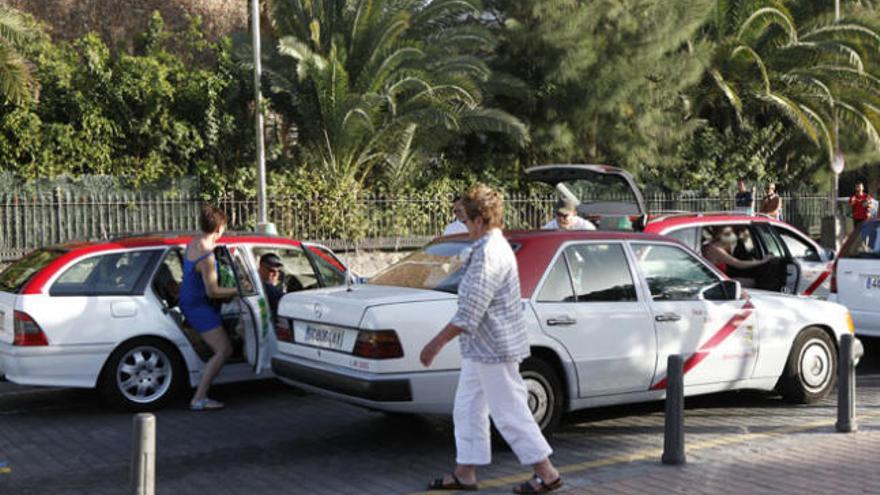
[
  {"x": 142, "y": 375},
  {"x": 811, "y": 370},
  {"x": 544, "y": 393}
]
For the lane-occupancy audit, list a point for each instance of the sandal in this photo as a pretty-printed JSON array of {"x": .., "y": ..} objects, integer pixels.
[
  {"x": 206, "y": 404},
  {"x": 439, "y": 484},
  {"x": 543, "y": 487}
]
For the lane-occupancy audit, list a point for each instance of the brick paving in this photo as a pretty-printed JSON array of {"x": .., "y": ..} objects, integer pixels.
[{"x": 273, "y": 439}]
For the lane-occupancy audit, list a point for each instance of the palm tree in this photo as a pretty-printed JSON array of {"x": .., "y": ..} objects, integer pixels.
[
  {"x": 807, "y": 74},
  {"x": 17, "y": 82},
  {"x": 379, "y": 85}
]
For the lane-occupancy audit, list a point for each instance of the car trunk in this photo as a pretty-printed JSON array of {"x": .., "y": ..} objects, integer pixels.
[{"x": 606, "y": 193}]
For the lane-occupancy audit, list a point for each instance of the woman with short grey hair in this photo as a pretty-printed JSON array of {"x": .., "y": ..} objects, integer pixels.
[{"x": 492, "y": 335}]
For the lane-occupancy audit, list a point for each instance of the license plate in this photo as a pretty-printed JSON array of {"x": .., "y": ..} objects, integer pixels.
[
  {"x": 872, "y": 282},
  {"x": 321, "y": 336}
]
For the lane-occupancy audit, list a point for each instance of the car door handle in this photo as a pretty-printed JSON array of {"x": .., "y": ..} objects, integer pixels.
[
  {"x": 667, "y": 317},
  {"x": 565, "y": 320}
]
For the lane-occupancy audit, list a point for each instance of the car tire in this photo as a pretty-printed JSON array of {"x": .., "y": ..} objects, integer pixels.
[
  {"x": 544, "y": 393},
  {"x": 811, "y": 370},
  {"x": 142, "y": 375}
]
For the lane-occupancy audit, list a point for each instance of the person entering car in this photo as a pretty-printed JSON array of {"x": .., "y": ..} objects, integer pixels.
[
  {"x": 566, "y": 217},
  {"x": 491, "y": 327},
  {"x": 270, "y": 270},
  {"x": 720, "y": 249},
  {"x": 200, "y": 282}
]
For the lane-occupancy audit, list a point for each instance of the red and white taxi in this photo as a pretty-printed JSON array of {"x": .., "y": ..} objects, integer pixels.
[
  {"x": 856, "y": 282},
  {"x": 608, "y": 195},
  {"x": 603, "y": 309},
  {"x": 104, "y": 314}
]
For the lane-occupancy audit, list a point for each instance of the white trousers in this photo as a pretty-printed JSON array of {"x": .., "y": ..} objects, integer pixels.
[{"x": 498, "y": 390}]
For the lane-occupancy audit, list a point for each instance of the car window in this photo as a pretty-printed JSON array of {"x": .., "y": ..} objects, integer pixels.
[
  {"x": 437, "y": 266},
  {"x": 109, "y": 274},
  {"x": 672, "y": 273},
  {"x": 297, "y": 272},
  {"x": 330, "y": 268},
  {"x": 600, "y": 273},
  {"x": 168, "y": 277},
  {"x": 688, "y": 236},
  {"x": 248, "y": 288},
  {"x": 13, "y": 278},
  {"x": 799, "y": 248},
  {"x": 557, "y": 286},
  {"x": 771, "y": 242},
  {"x": 866, "y": 244}
]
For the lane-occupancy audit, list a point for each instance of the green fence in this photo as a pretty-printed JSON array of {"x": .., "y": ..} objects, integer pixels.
[{"x": 32, "y": 219}]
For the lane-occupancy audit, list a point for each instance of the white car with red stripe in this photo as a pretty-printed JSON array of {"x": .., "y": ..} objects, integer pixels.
[
  {"x": 856, "y": 282},
  {"x": 610, "y": 197},
  {"x": 103, "y": 314},
  {"x": 603, "y": 309}
]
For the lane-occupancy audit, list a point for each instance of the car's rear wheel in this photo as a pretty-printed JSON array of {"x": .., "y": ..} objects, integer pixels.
[
  {"x": 811, "y": 370},
  {"x": 142, "y": 375},
  {"x": 544, "y": 393}
]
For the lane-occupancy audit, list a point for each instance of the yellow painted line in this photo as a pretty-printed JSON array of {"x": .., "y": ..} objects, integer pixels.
[{"x": 655, "y": 453}]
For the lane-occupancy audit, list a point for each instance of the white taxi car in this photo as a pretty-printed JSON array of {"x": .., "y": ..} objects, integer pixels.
[
  {"x": 603, "y": 310},
  {"x": 104, "y": 314},
  {"x": 856, "y": 278}
]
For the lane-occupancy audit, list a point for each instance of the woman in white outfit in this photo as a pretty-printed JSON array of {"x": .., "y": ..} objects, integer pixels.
[{"x": 491, "y": 328}]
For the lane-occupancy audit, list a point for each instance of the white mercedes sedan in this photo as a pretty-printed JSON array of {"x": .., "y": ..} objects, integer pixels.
[{"x": 603, "y": 310}]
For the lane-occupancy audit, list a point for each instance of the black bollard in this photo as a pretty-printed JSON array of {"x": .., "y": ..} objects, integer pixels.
[
  {"x": 846, "y": 386},
  {"x": 673, "y": 438}
]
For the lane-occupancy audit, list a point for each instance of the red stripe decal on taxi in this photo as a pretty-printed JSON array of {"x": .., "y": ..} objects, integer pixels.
[
  {"x": 816, "y": 283},
  {"x": 703, "y": 352}
]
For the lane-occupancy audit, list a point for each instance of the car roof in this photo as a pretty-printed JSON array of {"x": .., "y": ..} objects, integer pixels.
[
  {"x": 664, "y": 222},
  {"x": 77, "y": 249},
  {"x": 538, "y": 247}
]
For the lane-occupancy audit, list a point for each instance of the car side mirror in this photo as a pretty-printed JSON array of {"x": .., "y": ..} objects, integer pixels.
[
  {"x": 830, "y": 254},
  {"x": 724, "y": 290}
]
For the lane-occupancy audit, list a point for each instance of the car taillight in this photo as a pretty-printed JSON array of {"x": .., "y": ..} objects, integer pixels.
[
  {"x": 283, "y": 330},
  {"x": 27, "y": 332},
  {"x": 378, "y": 344},
  {"x": 834, "y": 277}
]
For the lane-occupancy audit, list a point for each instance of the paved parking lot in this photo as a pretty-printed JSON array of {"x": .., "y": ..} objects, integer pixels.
[{"x": 273, "y": 439}]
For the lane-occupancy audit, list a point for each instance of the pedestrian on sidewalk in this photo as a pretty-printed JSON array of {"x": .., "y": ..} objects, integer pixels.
[
  {"x": 860, "y": 203},
  {"x": 491, "y": 327},
  {"x": 457, "y": 225},
  {"x": 771, "y": 205},
  {"x": 744, "y": 200},
  {"x": 200, "y": 282}
]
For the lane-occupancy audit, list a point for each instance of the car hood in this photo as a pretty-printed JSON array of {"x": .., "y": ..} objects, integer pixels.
[{"x": 340, "y": 306}]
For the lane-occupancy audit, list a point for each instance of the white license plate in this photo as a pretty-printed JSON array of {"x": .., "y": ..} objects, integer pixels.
[
  {"x": 872, "y": 282},
  {"x": 321, "y": 336}
]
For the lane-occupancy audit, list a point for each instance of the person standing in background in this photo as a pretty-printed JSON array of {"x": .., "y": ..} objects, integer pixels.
[
  {"x": 744, "y": 201},
  {"x": 861, "y": 204},
  {"x": 457, "y": 226},
  {"x": 771, "y": 205}
]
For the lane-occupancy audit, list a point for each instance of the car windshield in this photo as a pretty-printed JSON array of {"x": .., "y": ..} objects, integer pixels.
[
  {"x": 434, "y": 267},
  {"x": 13, "y": 278},
  {"x": 866, "y": 244}
]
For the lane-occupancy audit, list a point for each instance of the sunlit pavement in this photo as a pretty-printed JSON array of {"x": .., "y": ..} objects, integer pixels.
[{"x": 273, "y": 439}]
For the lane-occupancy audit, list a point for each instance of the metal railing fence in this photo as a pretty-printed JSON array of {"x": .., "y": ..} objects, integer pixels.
[{"x": 37, "y": 218}]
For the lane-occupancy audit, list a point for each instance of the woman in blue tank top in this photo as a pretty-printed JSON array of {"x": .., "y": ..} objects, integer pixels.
[{"x": 199, "y": 284}]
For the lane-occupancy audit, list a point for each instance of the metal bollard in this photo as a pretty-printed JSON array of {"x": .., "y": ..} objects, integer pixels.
[
  {"x": 850, "y": 351},
  {"x": 143, "y": 455},
  {"x": 673, "y": 438}
]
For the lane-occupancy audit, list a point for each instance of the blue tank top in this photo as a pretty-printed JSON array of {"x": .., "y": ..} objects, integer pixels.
[{"x": 192, "y": 288}]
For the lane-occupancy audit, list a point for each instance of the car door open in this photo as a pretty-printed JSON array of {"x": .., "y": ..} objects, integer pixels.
[{"x": 248, "y": 314}]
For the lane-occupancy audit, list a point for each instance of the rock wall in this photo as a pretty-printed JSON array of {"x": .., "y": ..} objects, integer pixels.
[{"x": 120, "y": 20}]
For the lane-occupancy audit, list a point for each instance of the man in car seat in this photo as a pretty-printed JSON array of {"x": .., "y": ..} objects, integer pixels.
[{"x": 270, "y": 274}]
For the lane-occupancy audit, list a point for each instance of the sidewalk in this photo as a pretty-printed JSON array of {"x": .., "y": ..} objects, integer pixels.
[{"x": 729, "y": 450}]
